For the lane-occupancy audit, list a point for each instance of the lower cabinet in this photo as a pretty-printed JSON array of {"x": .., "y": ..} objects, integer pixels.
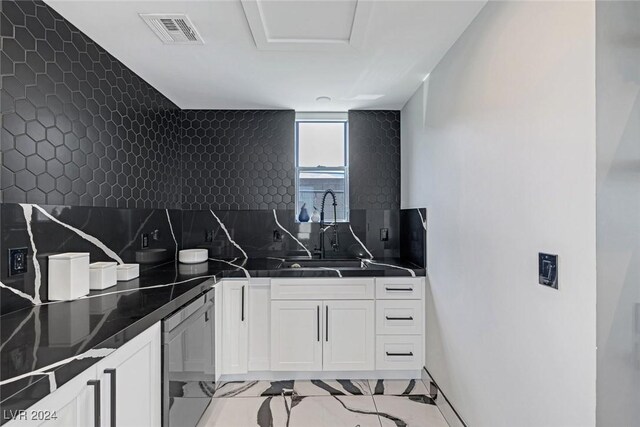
[
  {"x": 349, "y": 341},
  {"x": 296, "y": 337},
  {"x": 123, "y": 389},
  {"x": 319, "y": 324},
  {"x": 235, "y": 329},
  {"x": 72, "y": 405},
  {"x": 329, "y": 335},
  {"x": 259, "y": 321},
  {"x": 131, "y": 384}
]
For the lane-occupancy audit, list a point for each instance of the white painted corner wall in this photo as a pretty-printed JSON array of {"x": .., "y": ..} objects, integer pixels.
[
  {"x": 618, "y": 212},
  {"x": 499, "y": 145}
]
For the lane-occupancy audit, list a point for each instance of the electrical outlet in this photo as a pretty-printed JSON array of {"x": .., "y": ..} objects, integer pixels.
[
  {"x": 18, "y": 261},
  {"x": 384, "y": 234},
  {"x": 208, "y": 236},
  {"x": 277, "y": 236},
  {"x": 145, "y": 240}
]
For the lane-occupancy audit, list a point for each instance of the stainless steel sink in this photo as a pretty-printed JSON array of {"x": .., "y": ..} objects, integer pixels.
[{"x": 323, "y": 263}]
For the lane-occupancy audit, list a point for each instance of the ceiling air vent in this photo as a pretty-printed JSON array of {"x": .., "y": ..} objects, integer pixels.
[{"x": 175, "y": 28}]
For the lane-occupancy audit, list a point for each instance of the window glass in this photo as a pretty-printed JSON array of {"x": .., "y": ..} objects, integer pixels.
[
  {"x": 321, "y": 164},
  {"x": 321, "y": 144},
  {"x": 312, "y": 185}
]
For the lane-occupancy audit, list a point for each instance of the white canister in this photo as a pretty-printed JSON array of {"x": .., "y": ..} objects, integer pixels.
[
  {"x": 103, "y": 275},
  {"x": 128, "y": 272},
  {"x": 68, "y": 276},
  {"x": 193, "y": 256}
]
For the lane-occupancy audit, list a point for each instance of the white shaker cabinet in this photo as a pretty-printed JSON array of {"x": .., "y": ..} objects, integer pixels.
[
  {"x": 235, "y": 326},
  {"x": 125, "y": 385},
  {"x": 72, "y": 405},
  {"x": 296, "y": 336},
  {"x": 131, "y": 383},
  {"x": 259, "y": 321},
  {"x": 349, "y": 336}
]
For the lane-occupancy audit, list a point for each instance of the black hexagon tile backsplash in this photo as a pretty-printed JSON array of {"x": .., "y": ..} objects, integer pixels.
[
  {"x": 374, "y": 159},
  {"x": 79, "y": 127},
  {"x": 235, "y": 160}
]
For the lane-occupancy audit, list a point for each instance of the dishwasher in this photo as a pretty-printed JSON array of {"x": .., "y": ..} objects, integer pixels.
[{"x": 188, "y": 362}]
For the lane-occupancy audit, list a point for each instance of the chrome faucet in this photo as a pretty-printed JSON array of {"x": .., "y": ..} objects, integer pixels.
[{"x": 323, "y": 229}]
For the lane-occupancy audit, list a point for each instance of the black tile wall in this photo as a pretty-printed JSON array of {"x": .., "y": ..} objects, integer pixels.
[
  {"x": 79, "y": 127},
  {"x": 374, "y": 159},
  {"x": 238, "y": 160}
]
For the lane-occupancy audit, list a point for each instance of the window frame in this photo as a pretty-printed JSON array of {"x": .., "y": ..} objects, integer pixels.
[{"x": 322, "y": 118}]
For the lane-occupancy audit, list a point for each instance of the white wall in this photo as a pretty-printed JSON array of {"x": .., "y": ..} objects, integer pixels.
[
  {"x": 618, "y": 212},
  {"x": 503, "y": 158}
]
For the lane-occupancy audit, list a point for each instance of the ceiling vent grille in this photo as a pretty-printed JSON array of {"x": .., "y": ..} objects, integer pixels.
[{"x": 173, "y": 28}]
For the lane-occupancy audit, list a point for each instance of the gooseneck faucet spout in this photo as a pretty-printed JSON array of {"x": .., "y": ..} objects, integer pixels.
[{"x": 334, "y": 241}]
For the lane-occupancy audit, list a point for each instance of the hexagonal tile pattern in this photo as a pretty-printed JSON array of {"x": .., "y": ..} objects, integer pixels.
[
  {"x": 374, "y": 159},
  {"x": 230, "y": 159},
  {"x": 67, "y": 104},
  {"x": 81, "y": 128}
]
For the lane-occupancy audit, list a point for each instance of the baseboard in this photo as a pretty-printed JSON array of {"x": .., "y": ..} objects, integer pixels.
[{"x": 448, "y": 411}]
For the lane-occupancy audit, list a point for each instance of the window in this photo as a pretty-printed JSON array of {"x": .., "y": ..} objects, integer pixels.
[{"x": 322, "y": 163}]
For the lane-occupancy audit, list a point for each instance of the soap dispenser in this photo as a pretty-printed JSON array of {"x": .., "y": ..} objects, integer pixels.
[{"x": 304, "y": 215}]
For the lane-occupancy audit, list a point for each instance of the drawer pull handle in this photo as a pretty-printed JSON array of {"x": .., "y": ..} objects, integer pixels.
[
  {"x": 112, "y": 373},
  {"x": 400, "y": 354},
  {"x": 96, "y": 401},
  {"x": 242, "y": 306},
  {"x": 326, "y": 320},
  {"x": 388, "y": 289},
  {"x": 399, "y": 318}
]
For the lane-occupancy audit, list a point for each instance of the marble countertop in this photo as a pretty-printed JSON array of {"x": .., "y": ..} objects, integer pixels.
[{"x": 45, "y": 346}]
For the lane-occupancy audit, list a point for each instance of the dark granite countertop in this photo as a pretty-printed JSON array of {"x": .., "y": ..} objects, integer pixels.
[{"x": 53, "y": 342}]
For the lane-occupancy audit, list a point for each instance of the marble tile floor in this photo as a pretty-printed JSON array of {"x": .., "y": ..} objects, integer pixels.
[{"x": 322, "y": 403}]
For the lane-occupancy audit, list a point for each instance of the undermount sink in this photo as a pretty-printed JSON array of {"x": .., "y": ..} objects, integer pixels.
[
  {"x": 151, "y": 256},
  {"x": 324, "y": 263}
]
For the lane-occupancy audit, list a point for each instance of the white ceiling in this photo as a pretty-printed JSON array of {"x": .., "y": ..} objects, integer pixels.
[{"x": 370, "y": 54}]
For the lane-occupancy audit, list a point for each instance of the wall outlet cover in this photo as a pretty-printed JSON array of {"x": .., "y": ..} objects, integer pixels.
[{"x": 18, "y": 261}]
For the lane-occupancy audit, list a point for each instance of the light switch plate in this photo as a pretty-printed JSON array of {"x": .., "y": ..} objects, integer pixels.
[{"x": 548, "y": 270}]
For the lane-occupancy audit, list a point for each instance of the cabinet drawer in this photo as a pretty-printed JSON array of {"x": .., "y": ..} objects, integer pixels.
[
  {"x": 399, "y": 288},
  {"x": 395, "y": 317},
  {"x": 322, "y": 289},
  {"x": 398, "y": 352}
]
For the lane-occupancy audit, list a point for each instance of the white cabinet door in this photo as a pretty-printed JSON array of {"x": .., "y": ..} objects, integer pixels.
[
  {"x": 235, "y": 337},
  {"x": 349, "y": 341},
  {"x": 217, "y": 349},
  {"x": 131, "y": 383},
  {"x": 296, "y": 338},
  {"x": 259, "y": 321},
  {"x": 72, "y": 405}
]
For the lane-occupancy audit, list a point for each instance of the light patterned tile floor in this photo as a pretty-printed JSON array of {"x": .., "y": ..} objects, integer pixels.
[{"x": 322, "y": 403}]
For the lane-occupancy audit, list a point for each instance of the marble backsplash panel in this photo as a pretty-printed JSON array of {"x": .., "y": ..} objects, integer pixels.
[
  {"x": 413, "y": 236},
  {"x": 275, "y": 233},
  {"x": 108, "y": 234},
  {"x": 115, "y": 234}
]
